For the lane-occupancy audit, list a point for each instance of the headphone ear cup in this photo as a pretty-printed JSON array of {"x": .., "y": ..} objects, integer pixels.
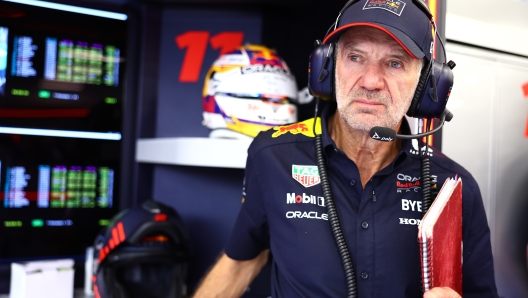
[
  {"x": 418, "y": 93},
  {"x": 321, "y": 72},
  {"x": 435, "y": 88}
]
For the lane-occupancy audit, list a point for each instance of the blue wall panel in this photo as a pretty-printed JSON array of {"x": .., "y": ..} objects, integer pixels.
[{"x": 207, "y": 198}]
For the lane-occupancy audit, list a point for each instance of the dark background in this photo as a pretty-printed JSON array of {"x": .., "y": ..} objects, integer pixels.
[{"x": 156, "y": 104}]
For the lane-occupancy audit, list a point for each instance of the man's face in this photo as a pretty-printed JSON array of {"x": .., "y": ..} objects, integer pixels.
[{"x": 375, "y": 79}]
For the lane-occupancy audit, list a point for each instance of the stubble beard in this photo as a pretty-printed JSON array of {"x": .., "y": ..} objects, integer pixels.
[{"x": 364, "y": 118}]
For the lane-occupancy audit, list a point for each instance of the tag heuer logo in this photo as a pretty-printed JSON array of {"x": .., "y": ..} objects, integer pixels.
[{"x": 306, "y": 175}]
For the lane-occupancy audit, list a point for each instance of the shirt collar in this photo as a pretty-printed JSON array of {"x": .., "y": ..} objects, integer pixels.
[{"x": 329, "y": 144}]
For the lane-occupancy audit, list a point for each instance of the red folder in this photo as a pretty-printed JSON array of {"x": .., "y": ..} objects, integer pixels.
[{"x": 440, "y": 239}]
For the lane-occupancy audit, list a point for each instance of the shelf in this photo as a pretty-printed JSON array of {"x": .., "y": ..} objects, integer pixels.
[{"x": 202, "y": 152}]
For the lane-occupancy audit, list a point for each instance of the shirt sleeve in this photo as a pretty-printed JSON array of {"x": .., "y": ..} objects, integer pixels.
[
  {"x": 478, "y": 279},
  {"x": 250, "y": 234}
]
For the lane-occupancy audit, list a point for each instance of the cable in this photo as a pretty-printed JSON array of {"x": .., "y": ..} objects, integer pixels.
[
  {"x": 426, "y": 177},
  {"x": 334, "y": 221},
  {"x": 333, "y": 218},
  {"x": 315, "y": 116}
]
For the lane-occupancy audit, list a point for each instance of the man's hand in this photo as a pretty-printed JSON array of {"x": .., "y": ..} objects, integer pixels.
[{"x": 441, "y": 292}]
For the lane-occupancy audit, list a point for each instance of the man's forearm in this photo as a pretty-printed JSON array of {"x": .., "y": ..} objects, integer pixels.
[{"x": 230, "y": 278}]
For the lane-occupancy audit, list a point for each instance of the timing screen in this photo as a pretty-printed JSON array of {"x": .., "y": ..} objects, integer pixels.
[
  {"x": 59, "y": 83},
  {"x": 58, "y": 186},
  {"x": 55, "y": 187}
]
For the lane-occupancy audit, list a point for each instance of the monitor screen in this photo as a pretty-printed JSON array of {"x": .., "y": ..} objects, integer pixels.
[
  {"x": 61, "y": 99},
  {"x": 57, "y": 194}
]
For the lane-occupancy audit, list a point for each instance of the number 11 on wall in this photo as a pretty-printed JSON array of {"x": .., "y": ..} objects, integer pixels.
[{"x": 195, "y": 45}]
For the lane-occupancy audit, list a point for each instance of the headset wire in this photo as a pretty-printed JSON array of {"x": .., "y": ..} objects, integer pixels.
[{"x": 333, "y": 218}]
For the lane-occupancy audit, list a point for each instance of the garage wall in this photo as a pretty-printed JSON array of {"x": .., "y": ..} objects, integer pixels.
[{"x": 488, "y": 136}]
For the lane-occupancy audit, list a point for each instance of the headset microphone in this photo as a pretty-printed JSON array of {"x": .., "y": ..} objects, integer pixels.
[
  {"x": 386, "y": 134},
  {"x": 383, "y": 134}
]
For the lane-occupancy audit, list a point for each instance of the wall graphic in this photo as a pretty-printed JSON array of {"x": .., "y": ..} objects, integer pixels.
[
  {"x": 191, "y": 40},
  {"x": 524, "y": 88},
  {"x": 196, "y": 43}
]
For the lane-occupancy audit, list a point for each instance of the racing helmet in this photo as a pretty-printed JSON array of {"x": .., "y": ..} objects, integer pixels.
[
  {"x": 247, "y": 91},
  {"x": 142, "y": 253}
]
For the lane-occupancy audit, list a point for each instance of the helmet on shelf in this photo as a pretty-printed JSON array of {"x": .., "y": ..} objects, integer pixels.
[
  {"x": 247, "y": 91},
  {"x": 142, "y": 253}
]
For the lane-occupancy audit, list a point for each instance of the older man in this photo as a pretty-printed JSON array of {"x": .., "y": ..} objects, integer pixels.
[{"x": 379, "y": 59}]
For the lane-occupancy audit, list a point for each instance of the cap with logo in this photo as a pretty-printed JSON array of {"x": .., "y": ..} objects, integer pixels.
[{"x": 405, "y": 21}]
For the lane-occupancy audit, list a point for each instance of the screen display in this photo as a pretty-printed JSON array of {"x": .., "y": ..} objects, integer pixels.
[
  {"x": 56, "y": 193},
  {"x": 60, "y": 70},
  {"x": 61, "y": 101}
]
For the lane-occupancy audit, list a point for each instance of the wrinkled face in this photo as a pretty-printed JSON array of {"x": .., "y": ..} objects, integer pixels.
[{"x": 375, "y": 79}]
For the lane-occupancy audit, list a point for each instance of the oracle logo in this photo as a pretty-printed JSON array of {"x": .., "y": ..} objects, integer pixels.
[{"x": 403, "y": 177}]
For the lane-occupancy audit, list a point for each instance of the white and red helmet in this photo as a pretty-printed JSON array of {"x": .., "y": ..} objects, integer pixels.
[{"x": 247, "y": 91}]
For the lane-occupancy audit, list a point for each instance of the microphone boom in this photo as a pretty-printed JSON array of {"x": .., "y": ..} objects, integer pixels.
[{"x": 386, "y": 134}]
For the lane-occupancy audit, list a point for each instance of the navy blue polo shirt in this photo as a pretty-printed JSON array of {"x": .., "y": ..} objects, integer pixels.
[{"x": 284, "y": 209}]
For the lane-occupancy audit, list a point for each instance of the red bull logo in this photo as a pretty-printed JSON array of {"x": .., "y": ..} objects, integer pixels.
[
  {"x": 304, "y": 128},
  {"x": 393, "y": 6},
  {"x": 295, "y": 128},
  {"x": 408, "y": 186}
]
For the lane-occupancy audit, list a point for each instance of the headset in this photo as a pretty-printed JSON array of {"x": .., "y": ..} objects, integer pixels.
[{"x": 432, "y": 91}]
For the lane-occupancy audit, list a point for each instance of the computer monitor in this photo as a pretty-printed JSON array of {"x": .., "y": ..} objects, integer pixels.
[{"x": 61, "y": 104}]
